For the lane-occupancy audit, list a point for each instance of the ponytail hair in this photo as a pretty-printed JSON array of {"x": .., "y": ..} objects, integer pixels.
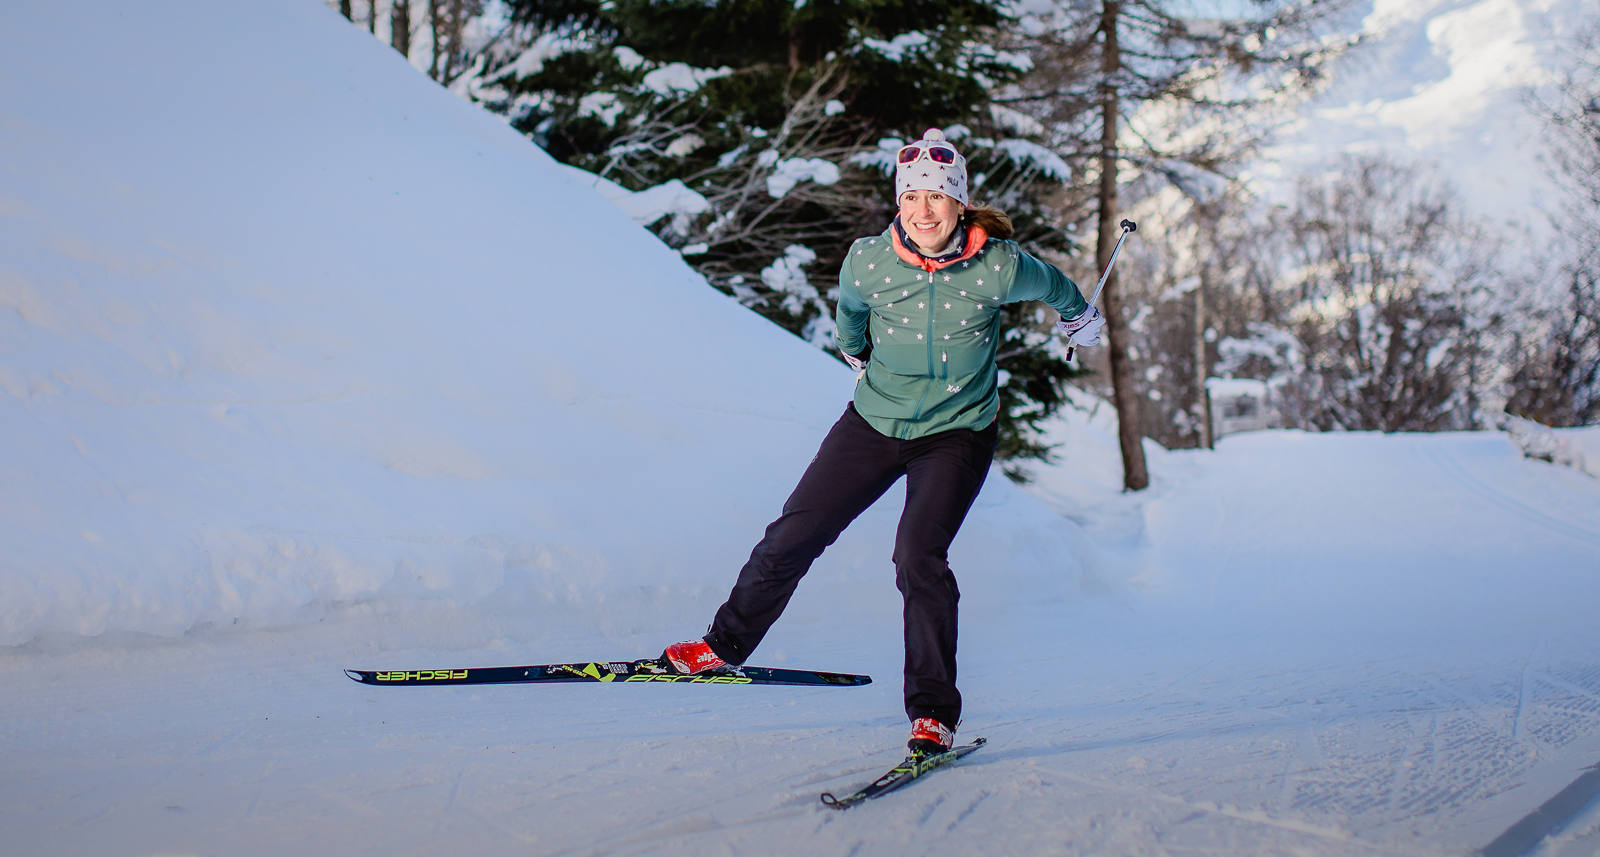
[{"x": 992, "y": 220}]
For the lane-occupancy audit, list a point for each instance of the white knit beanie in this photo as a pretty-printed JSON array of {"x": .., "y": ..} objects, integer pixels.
[{"x": 924, "y": 173}]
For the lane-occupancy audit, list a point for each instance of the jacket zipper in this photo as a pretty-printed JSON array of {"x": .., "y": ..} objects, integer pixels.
[
  {"x": 917, "y": 414},
  {"x": 944, "y": 367}
]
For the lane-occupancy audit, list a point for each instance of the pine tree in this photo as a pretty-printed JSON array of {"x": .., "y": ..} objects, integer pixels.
[{"x": 775, "y": 125}]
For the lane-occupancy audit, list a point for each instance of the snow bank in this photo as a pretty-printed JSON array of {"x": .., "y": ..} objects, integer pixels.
[
  {"x": 285, "y": 339},
  {"x": 1583, "y": 445},
  {"x": 1577, "y": 448},
  {"x": 651, "y": 204}
]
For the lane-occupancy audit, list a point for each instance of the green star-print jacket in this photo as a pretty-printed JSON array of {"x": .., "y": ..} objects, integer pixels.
[{"x": 934, "y": 328}]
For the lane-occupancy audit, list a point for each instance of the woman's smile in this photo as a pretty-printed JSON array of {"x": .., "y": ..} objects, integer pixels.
[{"x": 929, "y": 218}]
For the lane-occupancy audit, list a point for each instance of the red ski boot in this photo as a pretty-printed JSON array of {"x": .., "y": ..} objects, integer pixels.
[
  {"x": 692, "y": 657},
  {"x": 930, "y": 737}
]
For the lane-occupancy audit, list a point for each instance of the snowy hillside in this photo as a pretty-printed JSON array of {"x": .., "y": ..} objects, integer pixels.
[
  {"x": 307, "y": 365},
  {"x": 1446, "y": 83},
  {"x": 284, "y": 338}
]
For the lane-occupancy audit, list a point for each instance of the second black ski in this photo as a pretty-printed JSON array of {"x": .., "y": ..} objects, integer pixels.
[{"x": 913, "y": 767}]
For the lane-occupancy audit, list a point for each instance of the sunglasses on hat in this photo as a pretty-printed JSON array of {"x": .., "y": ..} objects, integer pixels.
[{"x": 939, "y": 153}]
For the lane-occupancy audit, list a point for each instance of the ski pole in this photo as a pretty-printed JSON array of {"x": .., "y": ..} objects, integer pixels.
[{"x": 1127, "y": 226}]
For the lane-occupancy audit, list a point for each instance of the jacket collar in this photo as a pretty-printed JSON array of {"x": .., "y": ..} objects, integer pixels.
[{"x": 973, "y": 241}]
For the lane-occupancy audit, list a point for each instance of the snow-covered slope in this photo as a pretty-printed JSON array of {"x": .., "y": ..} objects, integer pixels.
[
  {"x": 279, "y": 337},
  {"x": 1446, "y": 84}
]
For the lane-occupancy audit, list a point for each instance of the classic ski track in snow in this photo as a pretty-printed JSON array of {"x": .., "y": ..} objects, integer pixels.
[
  {"x": 1349, "y": 758},
  {"x": 1452, "y": 465},
  {"x": 1573, "y": 803}
]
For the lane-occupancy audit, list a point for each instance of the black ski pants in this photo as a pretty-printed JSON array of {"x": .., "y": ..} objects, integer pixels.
[{"x": 854, "y": 467}]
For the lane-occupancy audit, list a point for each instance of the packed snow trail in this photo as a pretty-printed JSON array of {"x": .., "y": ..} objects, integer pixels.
[{"x": 1271, "y": 691}]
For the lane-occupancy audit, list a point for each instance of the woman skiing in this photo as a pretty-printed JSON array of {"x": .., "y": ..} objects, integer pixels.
[{"x": 919, "y": 318}]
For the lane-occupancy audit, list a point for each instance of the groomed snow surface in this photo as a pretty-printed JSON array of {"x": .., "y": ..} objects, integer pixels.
[{"x": 306, "y": 365}]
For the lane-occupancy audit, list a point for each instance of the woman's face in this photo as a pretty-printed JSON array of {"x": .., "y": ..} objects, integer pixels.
[{"x": 929, "y": 218}]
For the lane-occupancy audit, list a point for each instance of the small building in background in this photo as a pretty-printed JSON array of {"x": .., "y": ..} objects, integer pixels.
[{"x": 1238, "y": 404}]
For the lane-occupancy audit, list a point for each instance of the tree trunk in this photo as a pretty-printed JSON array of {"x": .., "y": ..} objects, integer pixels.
[
  {"x": 400, "y": 27},
  {"x": 344, "y": 9},
  {"x": 455, "y": 20},
  {"x": 794, "y": 49},
  {"x": 1202, "y": 393},
  {"x": 372, "y": 17},
  {"x": 436, "y": 26},
  {"x": 1130, "y": 433},
  {"x": 1202, "y": 367}
]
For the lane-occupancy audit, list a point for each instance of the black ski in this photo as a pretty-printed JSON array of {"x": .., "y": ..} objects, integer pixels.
[
  {"x": 646, "y": 670},
  {"x": 912, "y": 768}
]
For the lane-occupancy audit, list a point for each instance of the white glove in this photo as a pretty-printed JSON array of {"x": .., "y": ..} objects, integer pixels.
[
  {"x": 1084, "y": 330},
  {"x": 860, "y": 363}
]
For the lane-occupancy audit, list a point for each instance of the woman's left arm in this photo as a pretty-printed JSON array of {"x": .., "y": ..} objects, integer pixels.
[{"x": 1037, "y": 280}]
